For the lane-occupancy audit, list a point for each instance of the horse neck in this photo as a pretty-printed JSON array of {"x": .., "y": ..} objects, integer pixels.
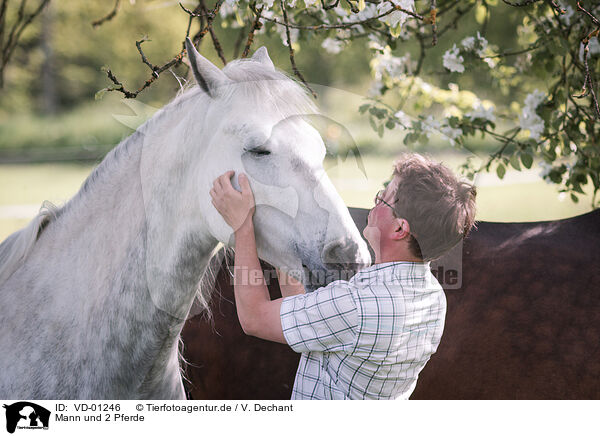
[{"x": 136, "y": 254}]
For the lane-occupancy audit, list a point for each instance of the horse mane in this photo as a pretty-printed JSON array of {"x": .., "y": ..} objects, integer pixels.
[{"x": 15, "y": 249}]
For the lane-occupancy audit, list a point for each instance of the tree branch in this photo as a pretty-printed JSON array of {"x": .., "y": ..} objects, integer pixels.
[
  {"x": 289, "y": 41},
  {"x": 108, "y": 17},
  {"x": 342, "y": 25},
  {"x": 213, "y": 35},
  {"x": 256, "y": 25},
  {"x": 7, "y": 48}
]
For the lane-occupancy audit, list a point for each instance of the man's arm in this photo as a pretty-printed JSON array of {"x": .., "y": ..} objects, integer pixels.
[
  {"x": 258, "y": 315},
  {"x": 289, "y": 286}
]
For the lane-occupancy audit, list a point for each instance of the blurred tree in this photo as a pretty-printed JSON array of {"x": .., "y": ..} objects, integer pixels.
[
  {"x": 523, "y": 73},
  {"x": 13, "y": 21},
  {"x": 49, "y": 97}
]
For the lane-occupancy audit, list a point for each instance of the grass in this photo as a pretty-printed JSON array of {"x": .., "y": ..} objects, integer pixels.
[{"x": 519, "y": 197}]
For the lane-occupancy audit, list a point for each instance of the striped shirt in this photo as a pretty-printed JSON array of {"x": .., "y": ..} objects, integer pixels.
[{"x": 367, "y": 338}]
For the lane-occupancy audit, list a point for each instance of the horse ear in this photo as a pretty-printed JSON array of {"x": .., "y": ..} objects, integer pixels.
[
  {"x": 262, "y": 55},
  {"x": 208, "y": 76}
]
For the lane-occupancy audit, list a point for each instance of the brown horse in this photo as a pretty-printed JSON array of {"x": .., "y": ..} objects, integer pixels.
[{"x": 523, "y": 322}]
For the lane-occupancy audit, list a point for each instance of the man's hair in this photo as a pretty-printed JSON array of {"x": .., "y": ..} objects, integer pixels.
[{"x": 439, "y": 208}]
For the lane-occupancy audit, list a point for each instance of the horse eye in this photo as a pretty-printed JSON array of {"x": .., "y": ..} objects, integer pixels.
[{"x": 259, "y": 152}]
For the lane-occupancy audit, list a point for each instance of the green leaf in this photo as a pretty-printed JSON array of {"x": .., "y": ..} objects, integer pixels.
[
  {"x": 372, "y": 123},
  {"x": 577, "y": 188},
  {"x": 396, "y": 30},
  {"x": 99, "y": 94},
  {"x": 390, "y": 124},
  {"x": 379, "y": 113},
  {"x": 514, "y": 162},
  {"x": 480, "y": 14},
  {"x": 574, "y": 198},
  {"x": 527, "y": 159},
  {"x": 408, "y": 139},
  {"x": 363, "y": 107},
  {"x": 500, "y": 171}
]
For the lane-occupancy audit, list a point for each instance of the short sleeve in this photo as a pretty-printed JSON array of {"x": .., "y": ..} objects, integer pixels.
[{"x": 323, "y": 320}]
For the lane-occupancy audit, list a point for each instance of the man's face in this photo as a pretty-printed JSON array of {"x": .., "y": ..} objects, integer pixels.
[{"x": 381, "y": 221}]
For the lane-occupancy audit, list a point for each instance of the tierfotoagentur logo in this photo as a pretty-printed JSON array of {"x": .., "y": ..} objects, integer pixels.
[{"x": 26, "y": 415}]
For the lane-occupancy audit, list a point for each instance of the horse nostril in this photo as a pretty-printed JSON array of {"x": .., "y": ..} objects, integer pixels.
[{"x": 341, "y": 255}]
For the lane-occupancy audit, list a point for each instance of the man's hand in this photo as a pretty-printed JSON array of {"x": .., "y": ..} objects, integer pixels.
[{"x": 236, "y": 208}]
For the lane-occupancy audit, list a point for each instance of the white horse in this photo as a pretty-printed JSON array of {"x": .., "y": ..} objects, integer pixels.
[{"x": 93, "y": 296}]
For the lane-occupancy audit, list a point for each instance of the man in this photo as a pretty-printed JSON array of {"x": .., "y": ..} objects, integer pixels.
[{"x": 369, "y": 337}]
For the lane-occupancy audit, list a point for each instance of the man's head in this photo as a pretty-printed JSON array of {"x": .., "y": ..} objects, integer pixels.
[{"x": 424, "y": 212}]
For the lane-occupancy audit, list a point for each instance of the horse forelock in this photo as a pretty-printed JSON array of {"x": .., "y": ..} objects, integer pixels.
[{"x": 265, "y": 87}]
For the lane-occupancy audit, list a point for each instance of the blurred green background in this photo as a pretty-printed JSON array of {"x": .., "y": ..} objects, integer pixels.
[{"x": 53, "y": 131}]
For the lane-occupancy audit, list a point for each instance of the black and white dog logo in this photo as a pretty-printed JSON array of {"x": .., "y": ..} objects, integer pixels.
[{"x": 26, "y": 415}]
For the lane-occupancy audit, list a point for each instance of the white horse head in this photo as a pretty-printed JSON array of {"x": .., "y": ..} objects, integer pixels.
[{"x": 257, "y": 124}]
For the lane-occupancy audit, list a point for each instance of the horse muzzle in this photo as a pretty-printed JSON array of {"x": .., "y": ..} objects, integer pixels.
[{"x": 339, "y": 260}]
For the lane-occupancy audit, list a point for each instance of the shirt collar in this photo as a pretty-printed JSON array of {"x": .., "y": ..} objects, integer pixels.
[{"x": 396, "y": 270}]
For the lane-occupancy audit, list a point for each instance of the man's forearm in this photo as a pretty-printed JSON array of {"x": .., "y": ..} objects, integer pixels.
[{"x": 250, "y": 289}]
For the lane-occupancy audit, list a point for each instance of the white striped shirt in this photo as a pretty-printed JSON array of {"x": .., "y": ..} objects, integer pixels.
[{"x": 367, "y": 338}]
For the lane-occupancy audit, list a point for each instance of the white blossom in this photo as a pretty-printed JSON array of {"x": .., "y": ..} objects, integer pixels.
[
  {"x": 481, "y": 112},
  {"x": 534, "y": 99},
  {"x": 403, "y": 118},
  {"x": 426, "y": 88},
  {"x": 268, "y": 4},
  {"x": 593, "y": 48},
  {"x": 227, "y": 8},
  {"x": 333, "y": 46},
  {"x": 469, "y": 43},
  {"x": 451, "y": 133},
  {"x": 523, "y": 62},
  {"x": 340, "y": 11},
  {"x": 453, "y": 61},
  {"x": 566, "y": 17},
  {"x": 375, "y": 88},
  {"x": 477, "y": 44},
  {"x": 375, "y": 42},
  {"x": 293, "y": 34},
  {"x": 529, "y": 119},
  {"x": 532, "y": 122},
  {"x": 394, "y": 66},
  {"x": 430, "y": 125},
  {"x": 396, "y": 17},
  {"x": 491, "y": 62},
  {"x": 309, "y": 3},
  {"x": 369, "y": 11}
]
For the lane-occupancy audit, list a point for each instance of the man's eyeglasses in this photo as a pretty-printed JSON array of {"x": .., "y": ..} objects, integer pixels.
[{"x": 379, "y": 199}]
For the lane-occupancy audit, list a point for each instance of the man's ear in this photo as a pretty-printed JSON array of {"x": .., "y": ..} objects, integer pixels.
[{"x": 401, "y": 229}]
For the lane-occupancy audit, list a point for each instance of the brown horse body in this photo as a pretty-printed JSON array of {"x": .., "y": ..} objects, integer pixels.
[{"x": 524, "y": 324}]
